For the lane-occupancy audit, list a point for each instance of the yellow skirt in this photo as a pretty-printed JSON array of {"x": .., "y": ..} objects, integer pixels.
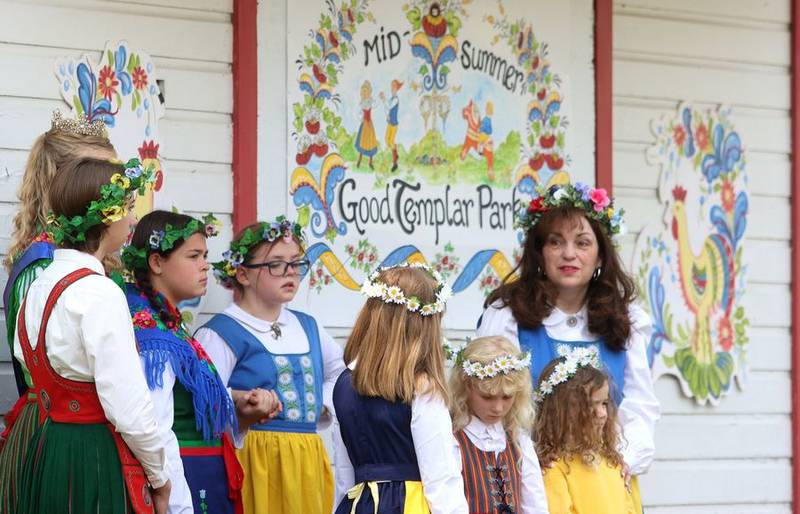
[{"x": 285, "y": 472}]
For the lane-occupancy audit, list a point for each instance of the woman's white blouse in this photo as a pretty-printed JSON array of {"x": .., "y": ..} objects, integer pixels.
[
  {"x": 639, "y": 410},
  {"x": 293, "y": 340},
  {"x": 90, "y": 339},
  {"x": 492, "y": 438}
]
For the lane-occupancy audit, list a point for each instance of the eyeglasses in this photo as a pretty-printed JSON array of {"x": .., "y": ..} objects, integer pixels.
[{"x": 281, "y": 268}]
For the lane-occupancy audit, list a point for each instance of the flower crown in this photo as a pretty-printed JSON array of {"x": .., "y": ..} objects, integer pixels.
[
  {"x": 112, "y": 205},
  {"x": 164, "y": 240},
  {"x": 504, "y": 364},
  {"x": 372, "y": 288},
  {"x": 265, "y": 232},
  {"x": 595, "y": 203},
  {"x": 80, "y": 126},
  {"x": 574, "y": 359}
]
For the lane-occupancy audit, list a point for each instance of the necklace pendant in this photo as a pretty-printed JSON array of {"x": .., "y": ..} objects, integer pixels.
[
  {"x": 572, "y": 321},
  {"x": 276, "y": 330}
]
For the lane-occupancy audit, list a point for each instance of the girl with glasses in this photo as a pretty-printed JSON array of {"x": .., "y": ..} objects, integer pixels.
[{"x": 258, "y": 342}]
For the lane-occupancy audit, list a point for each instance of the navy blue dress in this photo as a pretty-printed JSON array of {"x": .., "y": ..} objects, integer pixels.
[{"x": 377, "y": 434}]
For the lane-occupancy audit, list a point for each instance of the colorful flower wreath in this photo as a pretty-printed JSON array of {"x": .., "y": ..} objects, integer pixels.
[
  {"x": 372, "y": 288},
  {"x": 112, "y": 205},
  {"x": 265, "y": 232},
  {"x": 574, "y": 359},
  {"x": 164, "y": 240},
  {"x": 595, "y": 203}
]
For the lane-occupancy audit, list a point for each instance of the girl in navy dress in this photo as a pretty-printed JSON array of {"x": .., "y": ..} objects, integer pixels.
[{"x": 401, "y": 456}]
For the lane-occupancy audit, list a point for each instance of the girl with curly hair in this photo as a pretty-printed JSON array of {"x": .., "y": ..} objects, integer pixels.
[{"x": 576, "y": 435}]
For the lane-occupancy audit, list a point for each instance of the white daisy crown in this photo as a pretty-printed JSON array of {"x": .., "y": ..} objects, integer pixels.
[
  {"x": 503, "y": 364},
  {"x": 373, "y": 288},
  {"x": 574, "y": 359}
]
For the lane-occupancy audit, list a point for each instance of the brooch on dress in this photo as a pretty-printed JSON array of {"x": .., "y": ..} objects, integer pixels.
[{"x": 276, "y": 330}]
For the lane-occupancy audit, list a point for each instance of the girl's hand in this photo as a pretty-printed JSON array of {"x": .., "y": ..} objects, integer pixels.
[
  {"x": 253, "y": 406},
  {"x": 625, "y": 473}
]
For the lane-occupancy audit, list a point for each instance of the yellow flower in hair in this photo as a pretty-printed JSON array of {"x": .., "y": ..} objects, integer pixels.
[
  {"x": 121, "y": 181},
  {"x": 610, "y": 212},
  {"x": 113, "y": 213}
]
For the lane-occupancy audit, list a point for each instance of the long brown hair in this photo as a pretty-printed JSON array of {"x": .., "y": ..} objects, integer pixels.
[
  {"x": 399, "y": 353},
  {"x": 50, "y": 152},
  {"x": 75, "y": 188},
  {"x": 564, "y": 422},
  {"x": 532, "y": 296}
]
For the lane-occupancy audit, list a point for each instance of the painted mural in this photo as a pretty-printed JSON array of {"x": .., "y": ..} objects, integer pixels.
[
  {"x": 120, "y": 89},
  {"x": 691, "y": 266},
  {"x": 418, "y": 129}
]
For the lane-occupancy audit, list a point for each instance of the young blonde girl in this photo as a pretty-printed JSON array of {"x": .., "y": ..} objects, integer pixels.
[
  {"x": 398, "y": 450},
  {"x": 577, "y": 439},
  {"x": 257, "y": 342},
  {"x": 492, "y": 418},
  {"x": 29, "y": 254}
]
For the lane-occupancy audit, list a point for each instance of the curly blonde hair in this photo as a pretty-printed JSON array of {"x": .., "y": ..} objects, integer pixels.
[
  {"x": 399, "y": 353},
  {"x": 564, "y": 424},
  {"x": 484, "y": 350},
  {"x": 50, "y": 152}
]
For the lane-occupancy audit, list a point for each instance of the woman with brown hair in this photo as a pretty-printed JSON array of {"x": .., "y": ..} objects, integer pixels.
[
  {"x": 396, "y": 452},
  {"x": 29, "y": 254},
  {"x": 98, "y": 448},
  {"x": 572, "y": 292}
]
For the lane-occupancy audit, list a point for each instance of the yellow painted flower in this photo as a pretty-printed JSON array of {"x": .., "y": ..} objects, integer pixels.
[
  {"x": 120, "y": 180},
  {"x": 113, "y": 213}
]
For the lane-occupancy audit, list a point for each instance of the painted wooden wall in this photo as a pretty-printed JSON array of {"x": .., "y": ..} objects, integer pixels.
[
  {"x": 191, "y": 45},
  {"x": 734, "y": 458}
]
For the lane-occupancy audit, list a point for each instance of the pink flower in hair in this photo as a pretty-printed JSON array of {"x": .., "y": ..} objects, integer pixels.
[{"x": 600, "y": 199}]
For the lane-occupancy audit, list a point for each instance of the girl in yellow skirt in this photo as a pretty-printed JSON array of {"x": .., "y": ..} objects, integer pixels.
[
  {"x": 258, "y": 342},
  {"x": 577, "y": 438},
  {"x": 401, "y": 456},
  {"x": 366, "y": 140}
]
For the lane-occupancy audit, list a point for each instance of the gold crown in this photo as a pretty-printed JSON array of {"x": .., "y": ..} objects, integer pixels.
[{"x": 81, "y": 126}]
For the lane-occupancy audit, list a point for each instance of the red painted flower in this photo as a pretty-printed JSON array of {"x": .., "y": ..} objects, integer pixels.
[
  {"x": 139, "y": 78},
  {"x": 679, "y": 135},
  {"x": 701, "y": 136},
  {"x": 728, "y": 196},
  {"x": 537, "y": 205},
  {"x": 725, "y": 334},
  {"x": 108, "y": 82},
  {"x": 143, "y": 319}
]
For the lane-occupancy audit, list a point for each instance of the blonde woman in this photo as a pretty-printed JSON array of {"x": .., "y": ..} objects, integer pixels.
[
  {"x": 397, "y": 452},
  {"x": 366, "y": 140},
  {"x": 493, "y": 417},
  {"x": 30, "y": 253}
]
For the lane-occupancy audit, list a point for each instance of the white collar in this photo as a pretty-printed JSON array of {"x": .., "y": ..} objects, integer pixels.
[
  {"x": 257, "y": 324},
  {"x": 557, "y": 317},
  {"x": 80, "y": 259},
  {"x": 481, "y": 430}
]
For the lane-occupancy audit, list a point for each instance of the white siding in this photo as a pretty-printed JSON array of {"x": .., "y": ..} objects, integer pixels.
[
  {"x": 736, "y": 457},
  {"x": 191, "y": 44}
]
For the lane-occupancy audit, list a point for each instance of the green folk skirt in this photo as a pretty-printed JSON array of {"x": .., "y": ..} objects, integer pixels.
[
  {"x": 12, "y": 456},
  {"x": 72, "y": 468}
]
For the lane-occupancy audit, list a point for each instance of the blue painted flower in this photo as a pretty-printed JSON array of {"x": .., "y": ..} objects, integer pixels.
[
  {"x": 123, "y": 76},
  {"x": 93, "y": 108}
]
